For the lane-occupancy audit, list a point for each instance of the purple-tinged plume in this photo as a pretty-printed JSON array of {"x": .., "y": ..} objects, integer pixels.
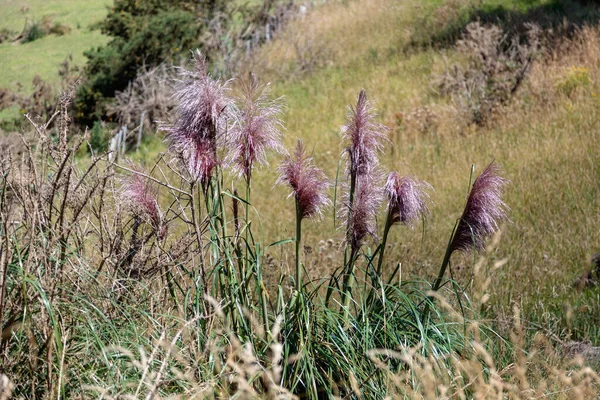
[
  {"x": 362, "y": 218},
  {"x": 201, "y": 119},
  {"x": 308, "y": 182},
  {"x": 483, "y": 211},
  {"x": 364, "y": 137},
  {"x": 140, "y": 196},
  {"x": 407, "y": 198},
  {"x": 257, "y": 130}
]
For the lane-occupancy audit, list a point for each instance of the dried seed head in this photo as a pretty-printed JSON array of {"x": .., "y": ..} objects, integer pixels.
[
  {"x": 362, "y": 218},
  {"x": 483, "y": 211},
  {"x": 364, "y": 137},
  {"x": 407, "y": 198},
  {"x": 257, "y": 130},
  {"x": 201, "y": 119},
  {"x": 308, "y": 182},
  {"x": 140, "y": 196}
]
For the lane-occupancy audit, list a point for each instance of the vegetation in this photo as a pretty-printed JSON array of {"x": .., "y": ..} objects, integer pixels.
[
  {"x": 21, "y": 63},
  {"x": 183, "y": 277},
  {"x": 143, "y": 33}
]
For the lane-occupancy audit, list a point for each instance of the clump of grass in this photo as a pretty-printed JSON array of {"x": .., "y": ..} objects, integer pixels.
[
  {"x": 39, "y": 29},
  {"x": 6, "y": 34},
  {"x": 575, "y": 79}
]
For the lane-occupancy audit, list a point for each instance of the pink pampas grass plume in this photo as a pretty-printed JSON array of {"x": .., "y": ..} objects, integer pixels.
[
  {"x": 407, "y": 198},
  {"x": 362, "y": 218},
  {"x": 308, "y": 182},
  {"x": 363, "y": 136},
  {"x": 258, "y": 128},
  {"x": 483, "y": 211},
  {"x": 201, "y": 119},
  {"x": 140, "y": 196}
]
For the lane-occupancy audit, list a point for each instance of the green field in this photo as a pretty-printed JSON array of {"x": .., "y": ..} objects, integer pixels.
[{"x": 20, "y": 63}]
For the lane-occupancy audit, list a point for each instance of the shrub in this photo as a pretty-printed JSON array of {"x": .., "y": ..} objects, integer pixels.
[
  {"x": 137, "y": 40},
  {"x": 496, "y": 67},
  {"x": 36, "y": 31},
  {"x": 147, "y": 99},
  {"x": 99, "y": 137},
  {"x": 149, "y": 33}
]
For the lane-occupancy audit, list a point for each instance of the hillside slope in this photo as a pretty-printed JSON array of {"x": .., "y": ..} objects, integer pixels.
[{"x": 21, "y": 62}]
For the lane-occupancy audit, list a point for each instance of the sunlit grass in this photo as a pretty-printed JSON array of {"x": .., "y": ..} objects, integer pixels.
[{"x": 20, "y": 63}]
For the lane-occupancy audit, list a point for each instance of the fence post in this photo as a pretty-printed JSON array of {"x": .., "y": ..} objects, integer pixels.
[{"x": 139, "y": 134}]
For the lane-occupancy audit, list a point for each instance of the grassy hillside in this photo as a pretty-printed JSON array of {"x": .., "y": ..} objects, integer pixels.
[{"x": 21, "y": 62}]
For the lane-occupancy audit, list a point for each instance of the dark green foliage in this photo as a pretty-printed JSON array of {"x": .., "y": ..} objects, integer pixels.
[
  {"x": 35, "y": 32},
  {"x": 145, "y": 33}
]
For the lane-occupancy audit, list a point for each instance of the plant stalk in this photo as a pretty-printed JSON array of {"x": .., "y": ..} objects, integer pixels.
[
  {"x": 389, "y": 221},
  {"x": 298, "y": 248},
  {"x": 349, "y": 284}
]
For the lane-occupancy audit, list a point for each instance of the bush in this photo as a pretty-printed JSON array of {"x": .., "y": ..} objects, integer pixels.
[
  {"x": 148, "y": 33},
  {"x": 39, "y": 29},
  {"x": 143, "y": 34},
  {"x": 496, "y": 67},
  {"x": 99, "y": 137},
  {"x": 36, "y": 31}
]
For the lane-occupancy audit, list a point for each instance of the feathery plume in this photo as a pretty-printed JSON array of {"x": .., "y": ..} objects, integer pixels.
[
  {"x": 483, "y": 211},
  {"x": 201, "y": 118},
  {"x": 407, "y": 198},
  {"x": 308, "y": 182},
  {"x": 364, "y": 137},
  {"x": 363, "y": 212},
  {"x": 257, "y": 130},
  {"x": 140, "y": 196}
]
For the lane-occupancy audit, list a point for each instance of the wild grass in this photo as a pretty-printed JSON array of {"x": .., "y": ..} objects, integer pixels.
[
  {"x": 505, "y": 335},
  {"x": 93, "y": 265},
  {"x": 544, "y": 138}
]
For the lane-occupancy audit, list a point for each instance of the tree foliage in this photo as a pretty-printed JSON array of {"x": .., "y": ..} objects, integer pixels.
[{"x": 143, "y": 33}]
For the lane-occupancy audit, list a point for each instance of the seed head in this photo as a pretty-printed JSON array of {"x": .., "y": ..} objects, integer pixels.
[
  {"x": 308, "y": 182},
  {"x": 140, "y": 196},
  {"x": 363, "y": 136},
  {"x": 258, "y": 128},
  {"x": 407, "y": 198},
  {"x": 483, "y": 211},
  {"x": 362, "y": 213},
  {"x": 201, "y": 119}
]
